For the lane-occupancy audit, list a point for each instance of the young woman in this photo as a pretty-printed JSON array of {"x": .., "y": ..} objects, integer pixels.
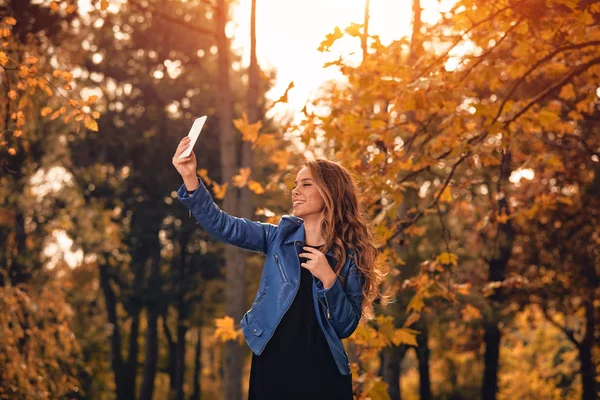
[{"x": 318, "y": 279}]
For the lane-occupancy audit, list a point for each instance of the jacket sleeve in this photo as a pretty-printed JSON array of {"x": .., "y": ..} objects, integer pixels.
[
  {"x": 343, "y": 305},
  {"x": 240, "y": 232}
]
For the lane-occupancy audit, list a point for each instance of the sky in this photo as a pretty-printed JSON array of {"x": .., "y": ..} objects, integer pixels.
[{"x": 289, "y": 33}]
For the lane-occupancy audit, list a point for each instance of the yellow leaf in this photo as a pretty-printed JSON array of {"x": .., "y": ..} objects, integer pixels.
[
  {"x": 255, "y": 186},
  {"x": 284, "y": 97},
  {"x": 12, "y": 95},
  {"x": 54, "y": 6},
  {"x": 249, "y": 131},
  {"x": 103, "y": 5},
  {"x": 547, "y": 118},
  {"x": 225, "y": 329},
  {"x": 92, "y": 100},
  {"x": 31, "y": 60},
  {"x": 405, "y": 336},
  {"x": 3, "y": 58},
  {"x": 92, "y": 125},
  {"x": 463, "y": 288},
  {"x": 12, "y": 151},
  {"x": 330, "y": 39},
  {"x": 6, "y": 32},
  {"x": 240, "y": 179},
  {"x": 567, "y": 92},
  {"x": 46, "y": 111},
  {"x": 71, "y": 9},
  {"x": 469, "y": 313},
  {"x": 95, "y": 114},
  {"x": 203, "y": 173},
  {"x": 412, "y": 318},
  {"x": 23, "y": 102},
  {"x": 10, "y": 21},
  {"x": 446, "y": 195},
  {"x": 447, "y": 259},
  {"x": 56, "y": 73},
  {"x": 220, "y": 190},
  {"x": 416, "y": 303},
  {"x": 281, "y": 158},
  {"x": 265, "y": 140}
]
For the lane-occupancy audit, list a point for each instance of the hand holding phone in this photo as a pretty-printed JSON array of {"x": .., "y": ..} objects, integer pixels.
[
  {"x": 184, "y": 159},
  {"x": 193, "y": 135}
]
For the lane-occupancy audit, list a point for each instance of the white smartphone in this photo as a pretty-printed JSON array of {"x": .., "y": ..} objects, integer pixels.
[{"x": 193, "y": 135}]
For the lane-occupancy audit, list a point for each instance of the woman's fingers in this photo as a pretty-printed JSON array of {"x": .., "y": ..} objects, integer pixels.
[{"x": 183, "y": 144}]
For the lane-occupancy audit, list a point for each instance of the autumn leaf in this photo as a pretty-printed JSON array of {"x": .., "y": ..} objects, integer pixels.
[
  {"x": 225, "y": 330},
  {"x": 470, "y": 313},
  {"x": 203, "y": 173},
  {"x": 446, "y": 196},
  {"x": 10, "y": 21},
  {"x": 54, "y": 6},
  {"x": 249, "y": 131},
  {"x": 103, "y": 5},
  {"x": 255, "y": 186},
  {"x": 12, "y": 95},
  {"x": 447, "y": 259},
  {"x": 45, "y": 111},
  {"x": 416, "y": 303},
  {"x": 241, "y": 178},
  {"x": 405, "y": 336},
  {"x": 3, "y": 58},
  {"x": 284, "y": 97},
  {"x": 92, "y": 125},
  {"x": 220, "y": 190},
  {"x": 281, "y": 158},
  {"x": 330, "y": 39},
  {"x": 567, "y": 92}
]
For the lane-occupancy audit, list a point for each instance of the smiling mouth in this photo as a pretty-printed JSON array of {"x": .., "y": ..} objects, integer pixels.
[{"x": 297, "y": 203}]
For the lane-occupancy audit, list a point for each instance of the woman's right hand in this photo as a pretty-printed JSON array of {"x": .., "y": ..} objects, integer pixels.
[{"x": 186, "y": 166}]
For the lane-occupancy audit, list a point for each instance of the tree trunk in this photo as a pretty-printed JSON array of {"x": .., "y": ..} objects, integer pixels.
[
  {"x": 234, "y": 259},
  {"x": 497, "y": 267},
  {"x": 416, "y": 38},
  {"x": 491, "y": 358},
  {"x": 586, "y": 361},
  {"x": 152, "y": 312},
  {"x": 365, "y": 35},
  {"x": 116, "y": 359},
  {"x": 180, "y": 348},
  {"x": 197, "y": 367},
  {"x": 171, "y": 354},
  {"x": 132, "y": 356},
  {"x": 423, "y": 356},
  {"x": 391, "y": 358}
]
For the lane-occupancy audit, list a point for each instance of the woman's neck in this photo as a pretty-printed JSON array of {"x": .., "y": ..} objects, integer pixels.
[{"x": 312, "y": 232}]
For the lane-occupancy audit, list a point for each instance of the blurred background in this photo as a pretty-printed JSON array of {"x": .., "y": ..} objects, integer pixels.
[{"x": 471, "y": 126}]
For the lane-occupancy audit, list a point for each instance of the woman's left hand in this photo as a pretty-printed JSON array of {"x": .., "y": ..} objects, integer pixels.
[{"x": 318, "y": 265}]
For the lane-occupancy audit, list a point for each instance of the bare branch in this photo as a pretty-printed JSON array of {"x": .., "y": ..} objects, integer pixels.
[
  {"x": 576, "y": 71},
  {"x": 536, "y": 65},
  {"x": 175, "y": 20}
]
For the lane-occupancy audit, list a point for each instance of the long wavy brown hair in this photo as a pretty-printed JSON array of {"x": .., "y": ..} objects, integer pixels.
[{"x": 346, "y": 226}]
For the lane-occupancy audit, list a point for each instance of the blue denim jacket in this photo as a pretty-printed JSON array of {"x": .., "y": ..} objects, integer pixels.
[{"x": 338, "y": 308}]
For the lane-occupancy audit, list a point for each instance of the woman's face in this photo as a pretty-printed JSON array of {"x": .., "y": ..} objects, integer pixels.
[{"x": 306, "y": 199}]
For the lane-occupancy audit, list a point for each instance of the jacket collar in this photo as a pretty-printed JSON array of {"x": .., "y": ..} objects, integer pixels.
[{"x": 296, "y": 231}]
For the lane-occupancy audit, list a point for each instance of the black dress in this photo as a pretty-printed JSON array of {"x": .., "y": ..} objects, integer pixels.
[{"x": 297, "y": 362}]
